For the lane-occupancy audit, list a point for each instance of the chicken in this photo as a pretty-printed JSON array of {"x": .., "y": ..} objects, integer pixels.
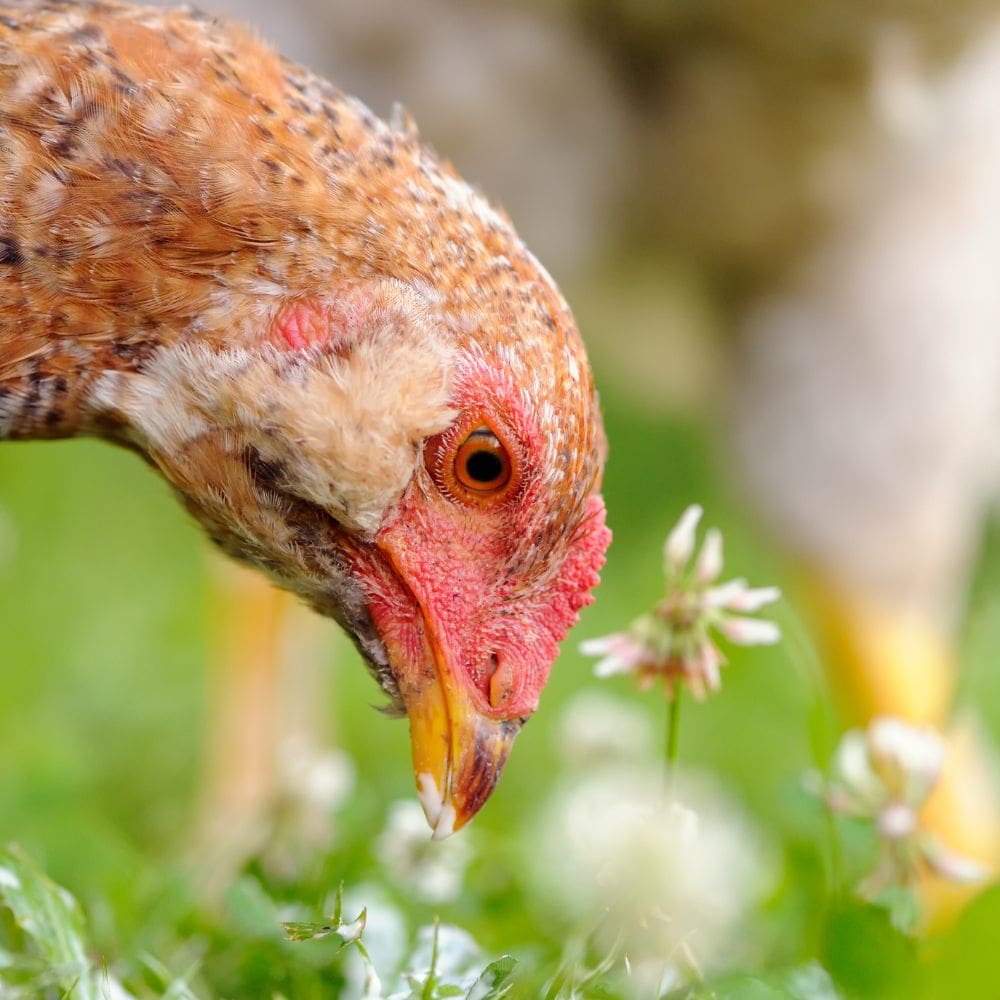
[{"x": 341, "y": 358}]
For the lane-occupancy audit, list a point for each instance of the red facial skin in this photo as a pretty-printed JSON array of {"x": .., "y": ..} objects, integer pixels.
[
  {"x": 449, "y": 559},
  {"x": 496, "y": 584}
]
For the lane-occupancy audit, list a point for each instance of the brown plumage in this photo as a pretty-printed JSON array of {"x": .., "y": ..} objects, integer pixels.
[{"x": 342, "y": 358}]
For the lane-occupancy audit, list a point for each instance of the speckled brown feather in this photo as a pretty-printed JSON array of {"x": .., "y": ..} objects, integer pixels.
[
  {"x": 166, "y": 177},
  {"x": 168, "y": 186}
]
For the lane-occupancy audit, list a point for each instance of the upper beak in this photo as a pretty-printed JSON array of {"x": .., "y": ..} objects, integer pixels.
[{"x": 458, "y": 752}]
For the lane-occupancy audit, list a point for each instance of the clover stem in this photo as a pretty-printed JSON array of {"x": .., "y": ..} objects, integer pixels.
[{"x": 673, "y": 736}]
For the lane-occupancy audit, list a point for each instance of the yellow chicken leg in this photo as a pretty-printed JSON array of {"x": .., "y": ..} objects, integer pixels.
[{"x": 884, "y": 661}]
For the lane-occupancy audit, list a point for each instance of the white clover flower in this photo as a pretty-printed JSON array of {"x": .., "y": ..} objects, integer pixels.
[
  {"x": 886, "y": 774},
  {"x": 313, "y": 783},
  {"x": 315, "y": 778},
  {"x": 667, "y": 879},
  {"x": 674, "y": 643},
  {"x": 596, "y": 728},
  {"x": 433, "y": 870}
]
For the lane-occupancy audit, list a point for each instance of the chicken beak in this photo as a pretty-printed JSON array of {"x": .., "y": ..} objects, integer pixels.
[{"x": 458, "y": 752}]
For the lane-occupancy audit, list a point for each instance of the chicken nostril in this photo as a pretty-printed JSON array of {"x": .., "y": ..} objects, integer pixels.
[
  {"x": 482, "y": 673},
  {"x": 501, "y": 681}
]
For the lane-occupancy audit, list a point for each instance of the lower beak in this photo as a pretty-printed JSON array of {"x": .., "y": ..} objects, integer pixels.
[{"x": 458, "y": 752}]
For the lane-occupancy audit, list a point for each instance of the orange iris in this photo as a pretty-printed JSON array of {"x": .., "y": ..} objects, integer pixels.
[{"x": 482, "y": 464}]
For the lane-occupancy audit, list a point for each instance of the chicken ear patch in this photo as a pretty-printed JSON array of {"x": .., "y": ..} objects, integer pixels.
[{"x": 301, "y": 326}]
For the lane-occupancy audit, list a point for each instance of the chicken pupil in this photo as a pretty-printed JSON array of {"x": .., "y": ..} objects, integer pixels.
[{"x": 484, "y": 466}]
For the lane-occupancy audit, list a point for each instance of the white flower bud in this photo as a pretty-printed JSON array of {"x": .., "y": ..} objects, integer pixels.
[
  {"x": 709, "y": 564},
  {"x": 859, "y": 791},
  {"x": 753, "y": 599},
  {"x": 354, "y": 930},
  {"x": 679, "y": 546},
  {"x": 952, "y": 867},
  {"x": 908, "y": 758},
  {"x": 709, "y": 661},
  {"x": 737, "y": 595},
  {"x": 896, "y": 821},
  {"x": 599, "y": 645},
  {"x": 373, "y": 985},
  {"x": 750, "y": 631},
  {"x": 619, "y": 652},
  {"x": 725, "y": 595}
]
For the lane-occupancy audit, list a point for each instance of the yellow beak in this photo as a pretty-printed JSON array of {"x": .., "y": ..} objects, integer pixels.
[{"x": 458, "y": 752}]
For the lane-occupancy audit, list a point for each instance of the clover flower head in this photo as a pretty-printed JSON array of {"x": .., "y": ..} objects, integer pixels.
[
  {"x": 432, "y": 870},
  {"x": 596, "y": 728},
  {"x": 320, "y": 779},
  {"x": 674, "y": 642},
  {"x": 885, "y": 775},
  {"x": 667, "y": 878}
]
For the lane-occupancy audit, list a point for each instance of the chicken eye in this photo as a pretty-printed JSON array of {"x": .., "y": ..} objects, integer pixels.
[{"x": 482, "y": 463}]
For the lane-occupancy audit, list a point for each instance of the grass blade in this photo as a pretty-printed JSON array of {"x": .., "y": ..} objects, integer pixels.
[{"x": 52, "y": 919}]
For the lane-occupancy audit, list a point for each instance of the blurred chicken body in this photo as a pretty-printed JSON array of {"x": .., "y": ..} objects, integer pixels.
[
  {"x": 868, "y": 406},
  {"x": 339, "y": 355}
]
